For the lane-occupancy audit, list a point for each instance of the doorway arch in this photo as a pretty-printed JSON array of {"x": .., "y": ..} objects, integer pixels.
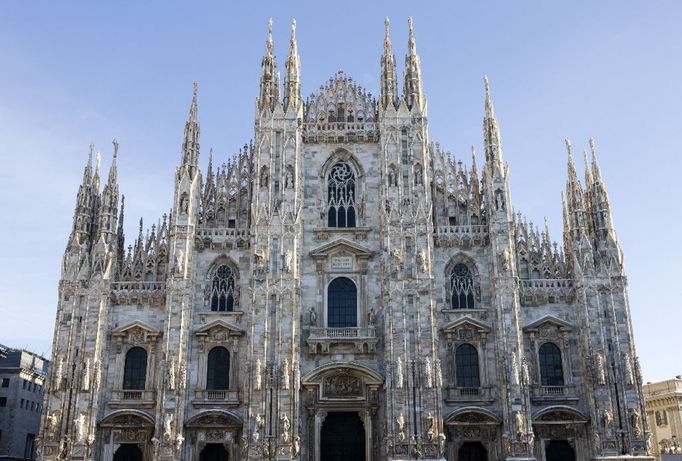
[
  {"x": 214, "y": 452},
  {"x": 559, "y": 450},
  {"x": 342, "y": 437},
  {"x": 472, "y": 451},
  {"x": 128, "y": 452}
]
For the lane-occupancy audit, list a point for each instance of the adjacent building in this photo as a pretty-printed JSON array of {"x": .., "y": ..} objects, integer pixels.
[
  {"x": 22, "y": 382},
  {"x": 343, "y": 288},
  {"x": 664, "y": 412}
]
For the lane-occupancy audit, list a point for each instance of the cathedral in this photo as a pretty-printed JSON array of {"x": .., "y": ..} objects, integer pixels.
[{"x": 342, "y": 288}]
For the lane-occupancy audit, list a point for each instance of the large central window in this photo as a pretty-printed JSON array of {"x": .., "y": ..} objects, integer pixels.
[
  {"x": 341, "y": 196},
  {"x": 462, "y": 287},
  {"x": 342, "y": 303},
  {"x": 222, "y": 290}
]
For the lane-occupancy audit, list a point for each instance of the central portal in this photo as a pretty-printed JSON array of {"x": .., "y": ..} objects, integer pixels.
[{"x": 342, "y": 437}]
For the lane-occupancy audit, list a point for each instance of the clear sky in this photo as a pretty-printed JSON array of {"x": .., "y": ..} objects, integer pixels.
[{"x": 81, "y": 71}]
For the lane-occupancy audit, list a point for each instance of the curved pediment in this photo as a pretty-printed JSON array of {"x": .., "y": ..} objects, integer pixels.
[
  {"x": 128, "y": 418},
  {"x": 368, "y": 375},
  {"x": 557, "y": 414},
  {"x": 214, "y": 419},
  {"x": 472, "y": 416}
]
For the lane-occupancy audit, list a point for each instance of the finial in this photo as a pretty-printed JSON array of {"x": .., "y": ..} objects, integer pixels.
[
  {"x": 98, "y": 161},
  {"x": 196, "y": 88},
  {"x": 268, "y": 42},
  {"x": 411, "y": 42},
  {"x": 487, "y": 84},
  {"x": 115, "y": 143},
  {"x": 489, "y": 111},
  {"x": 592, "y": 148},
  {"x": 387, "y": 23},
  {"x": 92, "y": 149},
  {"x": 293, "y": 29},
  {"x": 569, "y": 147},
  {"x": 410, "y": 25}
]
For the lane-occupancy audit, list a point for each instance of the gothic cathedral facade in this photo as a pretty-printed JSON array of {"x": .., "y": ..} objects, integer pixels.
[{"x": 343, "y": 288}]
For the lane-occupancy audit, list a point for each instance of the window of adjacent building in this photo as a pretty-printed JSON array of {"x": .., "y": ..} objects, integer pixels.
[
  {"x": 466, "y": 363},
  {"x": 21, "y": 404},
  {"x": 33, "y": 406},
  {"x": 24, "y": 384},
  {"x": 3, "y": 401},
  {"x": 28, "y": 448},
  {"x": 341, "y": 196},
  {"x": 222, "y": 290},
  {"x": 461, "y": 287},
  {"x": 5, "y": 382},
  {"x": 135, "y": 371},
  {"x": 551, "y": 369},
  {"x": 342, "y": 303},
  {"x": 218, "y": 369}
]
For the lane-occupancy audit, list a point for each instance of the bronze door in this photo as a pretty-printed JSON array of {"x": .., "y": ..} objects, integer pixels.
[{"x": 342, "y": 437}]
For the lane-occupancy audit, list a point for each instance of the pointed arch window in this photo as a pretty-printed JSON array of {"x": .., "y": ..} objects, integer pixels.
[
  {"x": 466, "y": 366},
  {"x": 218, "y": 369},
  {"x": 342, "y": 303},
  {"x": 341, "y": 196},
  {"x": 461, "y": 287},
  {"x": 551, "y": 369},
  {"x": 135, "y": 370},
  {"x": 222, "y": 290}
]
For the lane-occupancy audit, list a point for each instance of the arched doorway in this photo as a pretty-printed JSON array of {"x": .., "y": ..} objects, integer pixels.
[
  {"x": 128, "y": 452},
  {"x": 342, "y": 437},
  {"x": 559, "y": 450},
  {"x": 214, "y": 452},
  {"x": 472, "y": 451}
]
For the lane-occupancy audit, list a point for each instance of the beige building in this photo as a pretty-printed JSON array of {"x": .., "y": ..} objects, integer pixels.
[
  {"x": 344, "y": 289},
  {"x": 664, "y": 412}
]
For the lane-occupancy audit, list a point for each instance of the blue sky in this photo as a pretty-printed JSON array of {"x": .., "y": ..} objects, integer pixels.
[{"x": 76, "y": 72}]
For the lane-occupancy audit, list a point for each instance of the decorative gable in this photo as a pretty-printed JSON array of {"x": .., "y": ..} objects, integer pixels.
[
  {"x": 342, "y": 255},
  {"x": 466, "y": 329},
  {"x": 216, "y": 332},
  {"x": 135, "y": 333}
]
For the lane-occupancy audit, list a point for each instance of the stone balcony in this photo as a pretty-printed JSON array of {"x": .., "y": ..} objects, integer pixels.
[
  {"x": 222, "y": 238},
  {"x": 469, "y": 395},
  {"x": 541, "y": 291},
  {"x": 132, "y": 398},
  {"x": 356, "y": 340},
  {"x": 213, "y": 398},
  {"x": 554, "y": 394},
  {"x": 461, "y": 236}
]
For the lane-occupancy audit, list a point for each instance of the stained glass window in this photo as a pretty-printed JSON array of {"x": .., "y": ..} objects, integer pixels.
[
  {"x": 341, "y": 196},
  {"x": 462, "y": 287},
  {"x": 222, "y": 290}
]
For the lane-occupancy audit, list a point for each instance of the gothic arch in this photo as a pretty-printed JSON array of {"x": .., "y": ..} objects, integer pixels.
[
  {"x": 464, "y": 259},
  {"x": 220, "y": 261},
  {"x": 342, "y": 155},
  {"x": 462, "y": 286}
]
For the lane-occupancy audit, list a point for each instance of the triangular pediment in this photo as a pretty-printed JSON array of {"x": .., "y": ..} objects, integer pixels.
[
  {"x": 136, "y": 325},
  {"x": 218, "y": 326},
  {"x": 466, "y": 322},
  {"x": 342, "y": 246},
  {"x": 548, "y": 320}
]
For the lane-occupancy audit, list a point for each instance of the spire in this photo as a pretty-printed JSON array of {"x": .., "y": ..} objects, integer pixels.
[
  {"x": 87, "y": 172},
  {"x": 113, "y": 171},
  {"x": 388, "y": 71},
  {"x": 120, "y": 237},
  {"x": 491, "y": 130},
  {"x": 575, "y": 202},
  {"x": 108, "y": 209},
  {"x": 601, "y": 204},
  {"x": 95, "y": 179},
  {"x": 269, "y": 80},
  {"x": 190, "y": 146},
  {"x": 412, "y": 90},
  {"x": 292, "y": 81}
]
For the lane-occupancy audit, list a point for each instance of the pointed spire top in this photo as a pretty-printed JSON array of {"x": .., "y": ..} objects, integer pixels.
[
  {"x": 489, "y": 108},
  {"x": 112, "y": 168},
  {"x": 269, "y": 44},
  {"x": 193, "y": 106},
  {"x": 292, "y": 45},
  {"x": 387, "y": 34},
  {"x": 90, "y": 152},
  {"x": 596, "y": 170},
  {"x": 115, "y": 143},
  {"x": 411, "y": 42}
]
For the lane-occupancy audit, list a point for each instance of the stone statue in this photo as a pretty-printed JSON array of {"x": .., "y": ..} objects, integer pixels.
[
  {"x": 51, "y": 423},
  {"x": 399, "y": 373},
  {"x": 428, "y": 372},
  {"x": 85, "y": 381},
  {"x": 647, "y": 442},
  {"x": 441, "y": 444},
  {"x": 421, "y": 260},
  {"x": 288, "y": 261},
  {"x": 607, "y": 418},
  {"x": 601, "y": 371},
  {"x": 520, "y": 424},
  {"x": 499, "y": 200},
  {"x": 59, "y": 375},
  {"x": 629, "y": 375},
  {"x": 596, "y": 442},
  {"x": 155, "y": 448},
  {"x": 525, "y": 374},
  {"x": 258, "y": 423},
  {"x": 259, "y": 374},
  {"x": 79, "y": 425},
  {"x": 98, "y": 374},
  {"x": 296, "y": 446},
  {"x": 313, "y": 317},
  {"x": 179, "y": 257},
  {"x": 636, "y": 420},
  {"x": 506, "y": 445},
  {"x": 400, "y": 421},
  {"x": 171, "y": 375},
  {"x": 505, "y": 260},
  {"x": 370, "y": 317},
  {"x": 168, "y": 427},
  {"x": 183, "y": 376},
  {"x": 514, "y": 369},
  {"x": 289, "y": 180},
  {"x": 286, "y": 425},
  {"x": 431, "y": 427},
  {"x": 179, "y": 439},
  {"x": 286, "y": 374}
]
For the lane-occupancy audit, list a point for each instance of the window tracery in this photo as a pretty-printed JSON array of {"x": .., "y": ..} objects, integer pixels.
[
  {"x": 341, "y": 196},
  {"x": 461, "y": 287},
  {"x": 223, "y": 290}
]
